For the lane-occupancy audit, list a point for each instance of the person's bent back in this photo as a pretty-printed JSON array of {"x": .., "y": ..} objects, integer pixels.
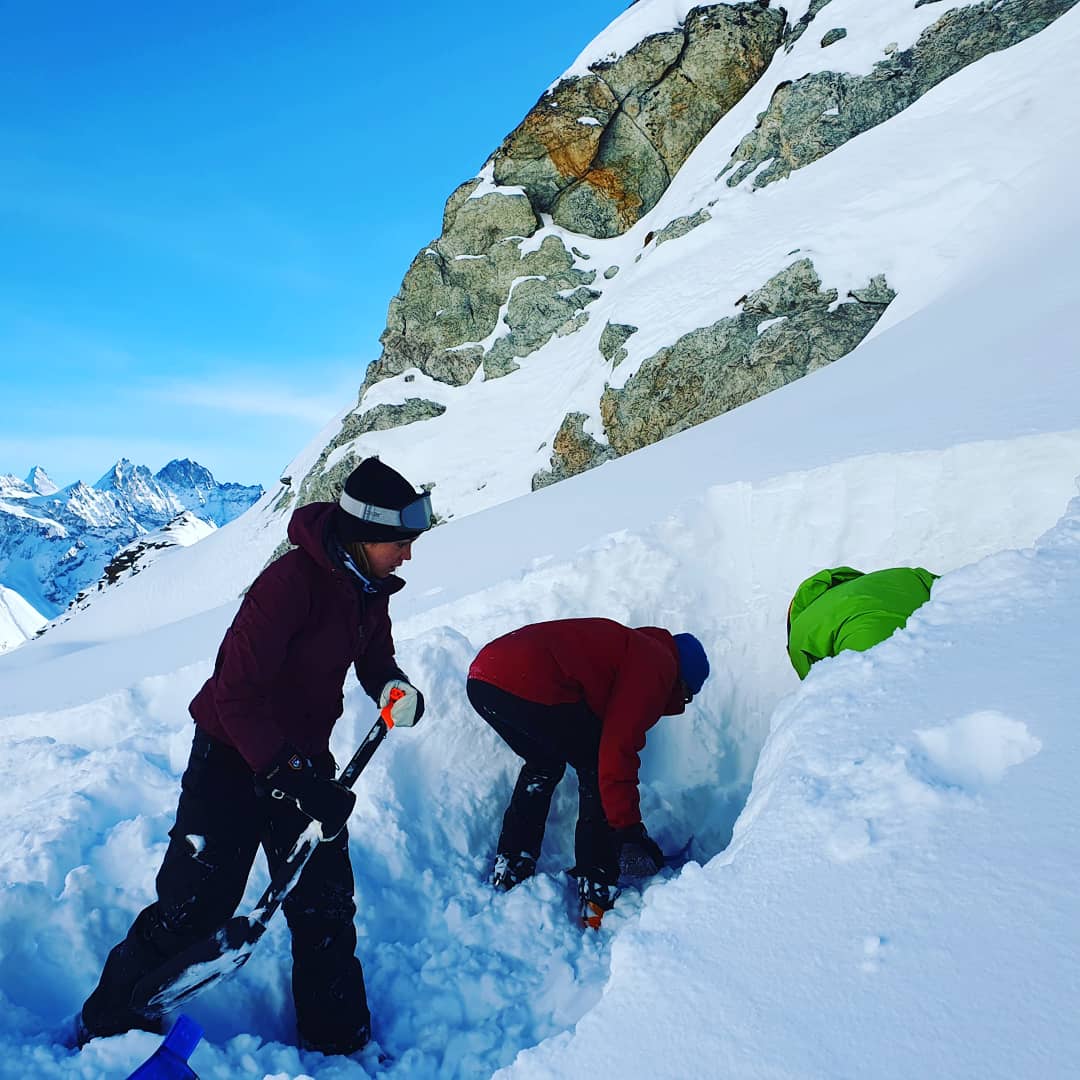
[{"x": 839, "y": 609}]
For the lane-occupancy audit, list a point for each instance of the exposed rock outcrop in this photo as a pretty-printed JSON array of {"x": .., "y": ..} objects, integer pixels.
[
  {"x": 512, "y": 269},
  {"x": 383, "y": 417},
  {"x": 598, "y": 150},
  {"x": 814, "y": 115},
  {"x": 573, "y": 451},
  {"x": 682, "y": 225},
  {"x": 787, "y": 328},
  {"x": 612, "y": 340},
  {"x": 473, "y": 281}
]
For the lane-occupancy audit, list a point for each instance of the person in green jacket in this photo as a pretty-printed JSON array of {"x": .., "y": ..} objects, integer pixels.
[{"x": 842, "y": 608}]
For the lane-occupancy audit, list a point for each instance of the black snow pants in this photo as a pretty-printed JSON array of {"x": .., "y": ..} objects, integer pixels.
[
  {"x": 220, "y": 823},
  {"x": 548, "y": 738}
]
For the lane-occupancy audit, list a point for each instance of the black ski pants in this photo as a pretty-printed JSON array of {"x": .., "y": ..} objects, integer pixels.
[
  {"x": 220, "y": 823},
  {"x": 548, "y": 738}
]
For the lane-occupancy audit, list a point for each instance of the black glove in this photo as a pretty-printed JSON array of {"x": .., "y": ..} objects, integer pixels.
[
  {"x": 639, "y": 853},
  {"x": 323, "y": 799}
]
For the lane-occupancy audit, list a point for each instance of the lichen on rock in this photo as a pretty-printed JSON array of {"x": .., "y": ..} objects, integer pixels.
[
  {"x": 716, "y": 368},
  {"x": 680, "y": 226},
  {"x": 812, "y": 116},
  {"x": 573, "y": 451},
  {"x": 612, "y": 340},
  {"x": 651, "y": 107}
]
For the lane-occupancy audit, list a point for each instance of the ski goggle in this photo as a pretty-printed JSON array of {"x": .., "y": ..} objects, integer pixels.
[{"x": 415, "y": 516}]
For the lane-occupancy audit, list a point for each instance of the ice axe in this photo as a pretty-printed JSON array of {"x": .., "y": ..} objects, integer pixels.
[{"x": 208, "y": 961}]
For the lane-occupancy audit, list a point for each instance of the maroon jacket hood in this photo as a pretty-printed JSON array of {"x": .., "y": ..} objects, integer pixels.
[{"x": 308, "y": 529}]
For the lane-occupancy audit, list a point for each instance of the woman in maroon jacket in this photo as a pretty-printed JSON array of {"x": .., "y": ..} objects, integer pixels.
[
  {"x": 263, "y": 721},
  {"x": 582, "y": 692}
]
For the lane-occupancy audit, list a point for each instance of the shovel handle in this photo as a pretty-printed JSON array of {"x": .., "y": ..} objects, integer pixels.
[
  {"x": 371, "y": 740},
  {"x": 212, "y": 959}
]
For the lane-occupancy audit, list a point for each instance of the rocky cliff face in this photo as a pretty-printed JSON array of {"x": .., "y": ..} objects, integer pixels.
[
  {"x": 538, "y": 252},
  {"x": 599, "y": 149}
]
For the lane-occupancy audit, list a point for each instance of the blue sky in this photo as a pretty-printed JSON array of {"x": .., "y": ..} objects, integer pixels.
[{"x": 205, "y": 209}]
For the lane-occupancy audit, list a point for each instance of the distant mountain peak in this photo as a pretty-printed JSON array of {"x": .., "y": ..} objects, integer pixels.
[
  {"x": 57, "y": 543},
  {"x": 122, "y": 475},
  {"x": 40, "y": 482},
  {"x": 184, "y": 471}
]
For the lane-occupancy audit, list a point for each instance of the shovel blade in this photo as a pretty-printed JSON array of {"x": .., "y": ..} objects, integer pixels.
[{"x": 197, "y": 968}]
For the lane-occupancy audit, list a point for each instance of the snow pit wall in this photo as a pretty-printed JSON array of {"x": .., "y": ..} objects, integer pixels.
[{"x": 724, "y": 567}]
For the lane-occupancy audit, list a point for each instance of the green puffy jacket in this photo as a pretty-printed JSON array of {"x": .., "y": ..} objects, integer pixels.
[{"x": 843, "y": 608}]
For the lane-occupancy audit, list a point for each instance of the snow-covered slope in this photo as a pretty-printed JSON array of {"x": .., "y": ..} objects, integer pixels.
[
  {"x": 182, "y": 531},
  {"x": 18, "y": 620},
  {"x": 899, "y": 894}
]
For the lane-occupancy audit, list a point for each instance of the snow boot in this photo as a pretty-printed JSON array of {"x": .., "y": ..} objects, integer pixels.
[
  {"x": 595, "y": 898},
  {"x": 343, "y": 1046},
  {"x": 511, "y": 870},
  {"x": 523, "y": 823}
]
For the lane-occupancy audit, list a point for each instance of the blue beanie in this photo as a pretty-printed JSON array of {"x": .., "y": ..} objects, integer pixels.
[{"x": 693, "y": 663}]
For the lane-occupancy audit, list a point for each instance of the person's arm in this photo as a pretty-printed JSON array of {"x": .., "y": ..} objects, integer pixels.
[
  {"x": 379, "y": 674},
  {"x": 253, "y": 654},
  {"x": 801, "y": 660},
  {"x": 642, "y": 688},
  {"x": 376, "y": 665}
]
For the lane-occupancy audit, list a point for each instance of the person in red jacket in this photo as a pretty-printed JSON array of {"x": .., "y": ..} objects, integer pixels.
[
  {"x": 582, "y": 692},
  {"x": 262, "y": 726}
]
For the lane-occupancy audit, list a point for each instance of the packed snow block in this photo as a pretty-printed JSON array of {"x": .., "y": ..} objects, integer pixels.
[
  {"x": 598, "y": 150},
  {"x": 812, "y": 116},
  {"x": 787, "y": 328}
]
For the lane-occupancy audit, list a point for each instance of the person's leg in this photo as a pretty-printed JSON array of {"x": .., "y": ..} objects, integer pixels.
[
  {"x": 201, "y": 881},
  {"x": 595, "y": 849},
  {"x": 523, "y": 824},
  {"x": 327, "y": 979},
  {"x": 524, "y": 726}
]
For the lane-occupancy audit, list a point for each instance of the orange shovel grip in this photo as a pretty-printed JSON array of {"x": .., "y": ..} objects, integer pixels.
[{"x": 386, "y": 713}]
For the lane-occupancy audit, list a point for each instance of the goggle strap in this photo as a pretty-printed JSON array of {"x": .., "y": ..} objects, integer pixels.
[{"x": 380, "y": 515}]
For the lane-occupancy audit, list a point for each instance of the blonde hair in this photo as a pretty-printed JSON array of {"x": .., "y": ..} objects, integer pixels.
[{"x": 358, "y": 553}]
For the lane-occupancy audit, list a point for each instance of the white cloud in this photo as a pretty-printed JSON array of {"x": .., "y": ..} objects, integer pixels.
[
  {"x": 251, "y": 400},
  {"x": 257, "y": 395}
]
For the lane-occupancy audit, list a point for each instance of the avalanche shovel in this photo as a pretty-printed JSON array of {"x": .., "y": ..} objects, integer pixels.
[{"x": 212, "y": 959}]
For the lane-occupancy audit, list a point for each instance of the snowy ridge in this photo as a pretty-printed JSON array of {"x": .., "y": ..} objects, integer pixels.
[
  {"x": 56, "y": 543},
  {"x": 182, "y": 531}
]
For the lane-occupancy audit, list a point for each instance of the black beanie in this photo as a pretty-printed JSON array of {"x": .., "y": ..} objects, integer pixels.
[{"x": 375, "y": 483}]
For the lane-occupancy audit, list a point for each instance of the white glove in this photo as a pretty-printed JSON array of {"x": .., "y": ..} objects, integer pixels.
[{"x": 407, "y": 705}]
